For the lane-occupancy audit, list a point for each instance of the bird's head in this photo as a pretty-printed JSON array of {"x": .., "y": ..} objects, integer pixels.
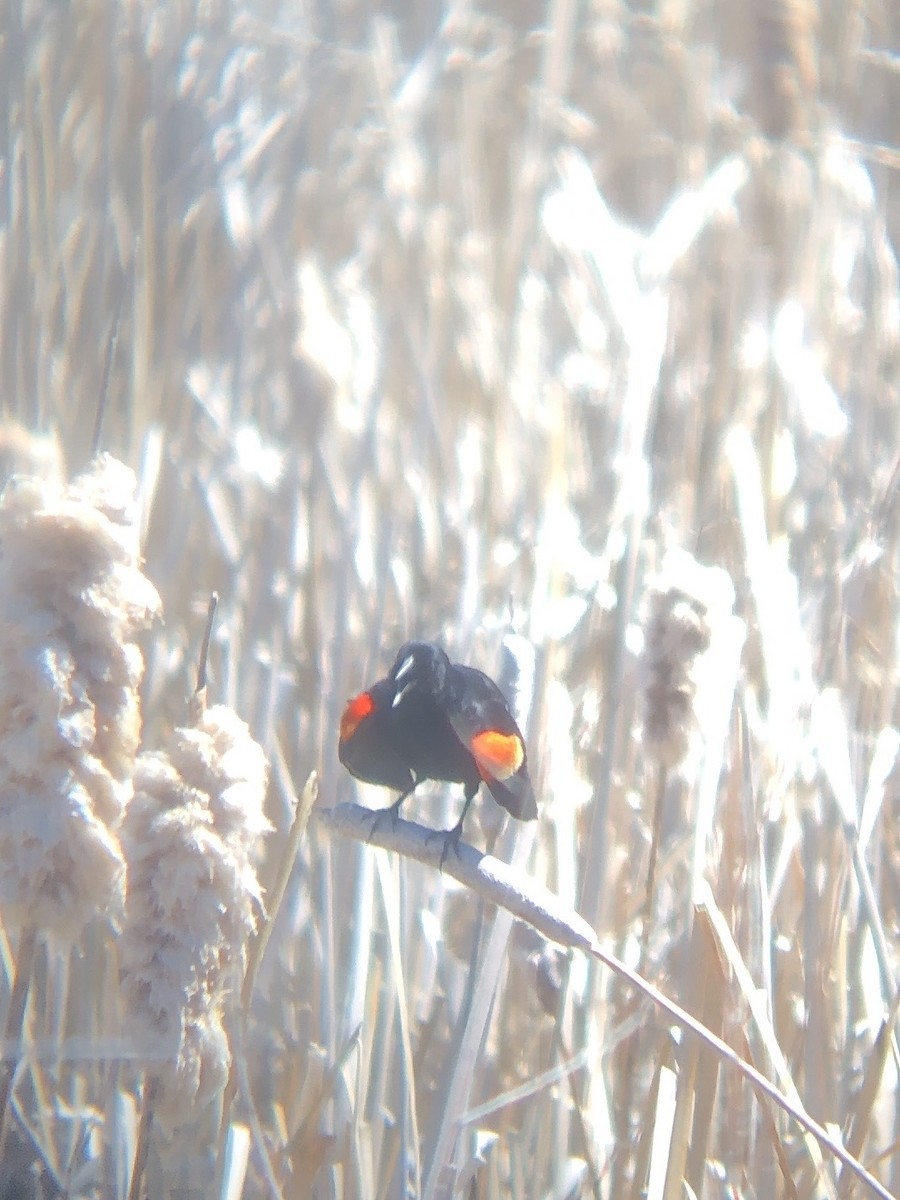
[{"x": 419, "y": 668}]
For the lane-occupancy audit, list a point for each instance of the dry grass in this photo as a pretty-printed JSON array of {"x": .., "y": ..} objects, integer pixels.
[{"x": 452, "y": 325}]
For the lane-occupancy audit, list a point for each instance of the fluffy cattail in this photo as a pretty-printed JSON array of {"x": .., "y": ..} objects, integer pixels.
[
  {"x": 191, "y": 836},
  {"x": 72, "y": 601},
  {"x": 684, "y": 607}
]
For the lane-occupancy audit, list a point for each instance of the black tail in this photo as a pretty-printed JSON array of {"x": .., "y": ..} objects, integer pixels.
[{"x": 515, "y": 794}]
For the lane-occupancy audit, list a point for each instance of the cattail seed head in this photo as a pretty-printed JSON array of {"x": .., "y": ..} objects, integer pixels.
[
  {"x": 72, "y": 601},
  {"x": 684, "y": 607},
  {"x": 192, "y": 836}
]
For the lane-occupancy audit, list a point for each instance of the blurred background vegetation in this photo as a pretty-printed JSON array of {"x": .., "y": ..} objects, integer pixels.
[{"x": 445, "y": 321}]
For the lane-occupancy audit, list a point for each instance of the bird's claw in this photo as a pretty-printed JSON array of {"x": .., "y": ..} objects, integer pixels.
[
  {"x": 378, "y": 817},
  {"x": 451, "y": 839}
]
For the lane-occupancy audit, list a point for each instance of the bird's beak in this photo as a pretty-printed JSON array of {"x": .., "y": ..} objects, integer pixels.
[{"x": 405, "y": 667}]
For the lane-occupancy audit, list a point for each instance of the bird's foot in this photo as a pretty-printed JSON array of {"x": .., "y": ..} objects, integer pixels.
[
  {"x": 451, "y": 839},
  {"x": 391, "y": 813}
]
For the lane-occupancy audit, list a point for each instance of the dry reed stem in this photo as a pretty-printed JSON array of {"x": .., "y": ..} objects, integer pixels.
[
  {"x": 15, "y": 1020},
  {"x": 528, "y": 900},
  {"x": 494, "y": 881},
  {"x": 258, "y": 946},
  {"x": 145, "y": 1132}
]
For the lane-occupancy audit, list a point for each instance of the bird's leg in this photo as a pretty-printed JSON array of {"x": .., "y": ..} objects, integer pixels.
[
  {"x": 451, "y": 837},
  {"x": 392, "y": 811}
]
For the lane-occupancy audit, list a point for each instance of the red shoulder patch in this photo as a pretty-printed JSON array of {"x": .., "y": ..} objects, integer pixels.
[
  {"x": 497, "y": 755},
  {"x": 355, "y": 713}
]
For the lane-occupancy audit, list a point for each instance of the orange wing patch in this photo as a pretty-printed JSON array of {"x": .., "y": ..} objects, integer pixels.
[
  {"x": 355, "y": 713},
  {"x": 498, "y": 755}
]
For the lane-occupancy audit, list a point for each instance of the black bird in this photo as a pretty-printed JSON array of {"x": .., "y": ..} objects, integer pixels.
[{"x": 434, "y": 719}]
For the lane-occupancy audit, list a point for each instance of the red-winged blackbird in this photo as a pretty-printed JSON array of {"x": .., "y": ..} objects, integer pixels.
[{"x": 433, "y": 719}]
